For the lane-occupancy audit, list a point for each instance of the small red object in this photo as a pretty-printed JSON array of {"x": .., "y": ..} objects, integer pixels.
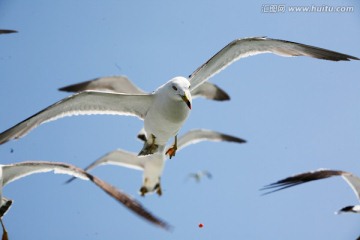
[{"x": 201, "y": 225}]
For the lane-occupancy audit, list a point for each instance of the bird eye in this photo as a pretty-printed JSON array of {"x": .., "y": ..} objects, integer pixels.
[{"x": 175, "y": 88}]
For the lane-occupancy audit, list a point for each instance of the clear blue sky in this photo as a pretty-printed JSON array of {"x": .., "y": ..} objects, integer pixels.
[{"x": 298, "y": 114}]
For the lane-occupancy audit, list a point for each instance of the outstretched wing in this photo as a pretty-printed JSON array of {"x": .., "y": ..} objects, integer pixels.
[
  {"x": 302, "y": 178},
  {"x": 241, "y": 48},
  {"x": 18, "y": 170},
  {"x": 199, "y": 135},
  {"x": 118, "y": 157},
  {"x": 117, "y": 84},
  {"x": 84, "y": 103}
]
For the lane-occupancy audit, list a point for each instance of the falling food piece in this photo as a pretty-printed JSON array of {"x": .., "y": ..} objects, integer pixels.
[{"x": 201, "y": 225}]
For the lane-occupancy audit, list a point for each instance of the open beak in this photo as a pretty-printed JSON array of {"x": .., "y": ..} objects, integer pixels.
[{"x": 185, "y": 98}]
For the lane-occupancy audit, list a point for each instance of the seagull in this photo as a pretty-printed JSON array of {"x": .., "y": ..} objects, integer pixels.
[
  {"x": 153, "y": 165},
  {"x": 12, "y": 172},
  {"x": 351, "y": 179},
  {"x": 199, "y": 175},
  {"x": 166, "y": 109},
  {"x": 122, "y": 84},
  {"x": 6, "y": 31}
]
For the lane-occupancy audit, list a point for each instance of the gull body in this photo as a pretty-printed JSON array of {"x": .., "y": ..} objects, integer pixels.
[
  {"x": 164, "y": 111},
  {"x": 153, "y": 165},
  {"x": 170, "y": 111},
  {"x": 352, "y": 180}
]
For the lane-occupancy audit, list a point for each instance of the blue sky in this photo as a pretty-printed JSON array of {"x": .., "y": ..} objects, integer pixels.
[{"x": 297, "y": 114}]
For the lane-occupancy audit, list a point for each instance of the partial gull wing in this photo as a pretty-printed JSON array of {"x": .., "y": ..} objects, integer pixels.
[
  {"x": 6, "y": 31},
  {"x": 241, "y": 48},
  {"x": 118, "y": 157},
  {"x": 84, "y": 103},
  {"x": 199, "y": 135},
  {"x": 15, "y": 171},
  {"x": 5, "y": 206},
  {"x": 306, "y": 177},
  {"x": 354, "y": 182},
  {"x": 121, "y": 84},
  {"x": 210, "y": 91},
  {"x": 118, "y": 84}
]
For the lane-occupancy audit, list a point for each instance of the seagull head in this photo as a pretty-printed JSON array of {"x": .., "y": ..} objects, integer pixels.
[{"x": 179, "y": 88}]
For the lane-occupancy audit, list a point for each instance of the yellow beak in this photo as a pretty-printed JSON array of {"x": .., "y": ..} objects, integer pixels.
[{"x": 185, "y": 98}]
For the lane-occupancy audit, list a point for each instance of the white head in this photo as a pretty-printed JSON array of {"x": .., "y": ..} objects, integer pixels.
[{"x": 179, "y": 88}]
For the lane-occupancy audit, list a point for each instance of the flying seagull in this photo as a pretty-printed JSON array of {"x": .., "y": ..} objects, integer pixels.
[
  {"x": 6, "y": 31},
  {"x": 166, "y": 109},
  {"x": 351, "y": 179},
  {"x": 12, "y": 172},
  {"x": 121, "y": 84},
  {"x": 153, "y": 165},
  {"x": 199, "y": 175}
]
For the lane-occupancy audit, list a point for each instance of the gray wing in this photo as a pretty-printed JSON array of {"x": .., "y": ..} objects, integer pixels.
[
  {"x": 19, "y": 170},
  {"x": 6, "y": 31},
  {"x": 118, "y": 84},
  {"x": 302, "y": 178},
  {"x": 210, "y": 91},
  {"x": 84, "y": 103},
  {"x": 199, "y": 135},
  {"x": 354, "y": 183},
  {"x": 241, "y": 48},
  {"x": 118, "y": 157}
]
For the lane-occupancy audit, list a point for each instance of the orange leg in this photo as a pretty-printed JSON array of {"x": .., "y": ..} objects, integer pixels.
[{"x": 172, "y": 150}]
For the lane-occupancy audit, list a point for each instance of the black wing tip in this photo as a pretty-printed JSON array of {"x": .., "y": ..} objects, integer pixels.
[
  {"x": 77, "y": 87},
  {"x": 234, "y": 139},
  {"x": 166, "y": 226},
  {"x": 69, "y": 180},
  {"x": 221, "y": 95},
  {"x": 70, "y": 88},
  {"x": 6, "y": 31}
]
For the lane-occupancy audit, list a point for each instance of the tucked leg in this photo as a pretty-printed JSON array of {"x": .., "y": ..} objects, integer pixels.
[{"x": 149, "y": 147}]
